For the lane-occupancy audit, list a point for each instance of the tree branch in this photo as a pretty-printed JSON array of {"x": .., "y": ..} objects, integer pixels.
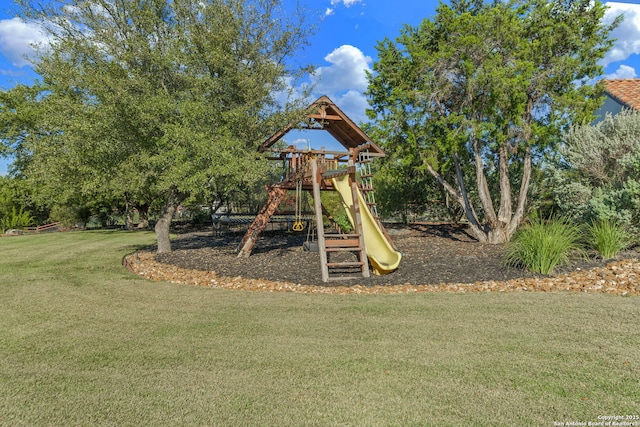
[
  {"x": 462, "y": 198},
  {"x": 522, "y": 196},
  {"x": 483, "y": 188},
  {"x": 476, "y": 229},
  {"x": 505, "y": 211}
]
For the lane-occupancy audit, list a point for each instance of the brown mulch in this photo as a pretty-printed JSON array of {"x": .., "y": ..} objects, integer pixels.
[{"x": 436, "y": 257}]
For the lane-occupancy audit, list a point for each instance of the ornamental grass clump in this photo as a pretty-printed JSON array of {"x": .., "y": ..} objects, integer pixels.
[
  {"x": 542, "y": 245},
  {"x": 608, "y": 238}
]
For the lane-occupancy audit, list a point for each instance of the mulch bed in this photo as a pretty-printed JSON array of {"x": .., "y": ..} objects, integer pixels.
[{"x": 435, "y": 257}]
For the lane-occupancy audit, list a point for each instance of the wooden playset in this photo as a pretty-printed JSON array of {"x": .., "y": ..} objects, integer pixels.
[{"x": 314, "y": 171}]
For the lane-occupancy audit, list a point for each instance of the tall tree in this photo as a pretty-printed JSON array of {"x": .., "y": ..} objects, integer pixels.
[
  {"x": 157, "y": 98},
  {"x": 480, "y": 89}
]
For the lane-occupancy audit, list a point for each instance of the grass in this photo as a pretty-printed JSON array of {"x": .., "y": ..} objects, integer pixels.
[
  {"x": 83, "y": 342},
  {"x": 541, "y": 245},
  {"x": 608, "y": 238}
]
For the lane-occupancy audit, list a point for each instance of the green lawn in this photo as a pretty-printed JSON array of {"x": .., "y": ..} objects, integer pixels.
[{"x": 84, "y": 342}]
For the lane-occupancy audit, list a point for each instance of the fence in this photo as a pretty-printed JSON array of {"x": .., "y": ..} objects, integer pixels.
[{"x": 54, "y": 226}]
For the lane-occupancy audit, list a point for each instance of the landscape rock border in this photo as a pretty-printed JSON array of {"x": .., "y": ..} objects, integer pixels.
[{"x": 618, "y": 277}]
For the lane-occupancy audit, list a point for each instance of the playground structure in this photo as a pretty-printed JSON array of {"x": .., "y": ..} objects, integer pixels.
[{"x": 313, "y": 171}]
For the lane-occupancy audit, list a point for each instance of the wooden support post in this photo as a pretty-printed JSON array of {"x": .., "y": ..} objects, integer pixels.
[
  {"x": 317, "y": 206},
  {"x": 276, "y": 194}
]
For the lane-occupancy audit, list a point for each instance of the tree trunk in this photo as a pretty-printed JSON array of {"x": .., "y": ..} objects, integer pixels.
[
  {"x": 477, "y": 230},
  {"x": 508, "y": 220},
  {"x": 498, "y": 235},
  {"x": 143, "y": 214},
  {"x": 462, "y": 199},
  {"x": 499, "y": 230},
  {"x": 483, "y": 187},
  {"x": 174, "y": 197},
  {"x": 516, "y": 219},
  {"x": 129, "y": 212},
  {"x": 505, "y": 223},
  {"x": 506, "y": 209}
]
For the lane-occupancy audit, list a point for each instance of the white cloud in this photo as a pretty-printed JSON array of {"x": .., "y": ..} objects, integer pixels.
[
  {"x": 347, "y": 71},
  {"x": 354, "y": 104},
  {"x": 11, "y": 73},
  {"x": 627, "y": 34},
  {"x": 347, "y": 3},
  {"x": 345, "y": 80},
  {"x": 623, "y": 72},
  {"x": 17, "y": 38},
  {"x": 329, "y": 12}
]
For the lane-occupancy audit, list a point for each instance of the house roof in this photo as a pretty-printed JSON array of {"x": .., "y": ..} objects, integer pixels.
[
  {"x": 625, "y": 91},
  {"x": 323, "y": 114}
]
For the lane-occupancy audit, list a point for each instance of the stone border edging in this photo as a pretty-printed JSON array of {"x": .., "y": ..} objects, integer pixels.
[{"x": 619, "y": 278}]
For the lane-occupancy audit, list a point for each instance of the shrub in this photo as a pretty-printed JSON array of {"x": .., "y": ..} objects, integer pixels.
[
  {"x": 542, "y": 245},
  {"x": 332, "y": 202},
  {"x": 342, "y": 219},
  {"x": 16, "y": 218},
  {"x": 598, "y": 176},
  {"x": 608, "y": 238}
]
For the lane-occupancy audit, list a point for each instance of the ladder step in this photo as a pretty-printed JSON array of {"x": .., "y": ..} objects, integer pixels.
[
  {"x": 343, "y": 249},
  {"x": 345, "y": 264},
  {"x": 346, "y": 243}
]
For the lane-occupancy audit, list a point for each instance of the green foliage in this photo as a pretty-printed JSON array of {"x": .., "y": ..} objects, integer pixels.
[
  {"x": 608, "y": 238},
  {"x": 404, "y": 188},
  {"x": 599, "y": 177},
  {"x": 473, "y": 95},
  {"x": 342, "y": 219},
  {"x": 15, "y": 218},
  {"x": 153, "y": 102},
  {"x": 332, "y": 202},
  {"x": 403, "y": 191},
  {"x": 13, "y": 212},
  {"x": 541, "y": 245}
]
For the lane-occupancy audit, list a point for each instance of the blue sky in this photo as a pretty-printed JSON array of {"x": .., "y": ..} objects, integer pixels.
[{"x": 342, "y": 49}]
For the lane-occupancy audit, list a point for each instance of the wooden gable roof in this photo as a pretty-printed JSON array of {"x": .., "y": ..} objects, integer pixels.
[
  {"x": 323, "y": 114},
  {"x": 624, "y": 91}
]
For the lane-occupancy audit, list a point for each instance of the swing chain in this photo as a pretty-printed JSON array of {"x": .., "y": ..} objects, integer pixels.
[{"x": 298, "y": 225}]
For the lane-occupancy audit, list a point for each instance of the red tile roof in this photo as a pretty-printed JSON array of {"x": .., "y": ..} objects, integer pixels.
[{"x": 625, "y": 91}]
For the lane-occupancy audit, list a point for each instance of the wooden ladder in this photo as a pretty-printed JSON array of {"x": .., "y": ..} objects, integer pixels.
[
  {"x": 366, "y": 184},
  {"x": 368, "y": 192},
  {"x": 334, "y": 243},
  {"x": 346, "y": 243}
]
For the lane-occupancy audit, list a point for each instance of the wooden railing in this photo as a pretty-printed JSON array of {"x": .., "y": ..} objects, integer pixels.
[
  {"x": 42, "y": 228},
  {"x": 298, "y": 163}
]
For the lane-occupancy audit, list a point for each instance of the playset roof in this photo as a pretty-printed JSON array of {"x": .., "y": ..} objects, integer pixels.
[{"x": 323, "y": 114}]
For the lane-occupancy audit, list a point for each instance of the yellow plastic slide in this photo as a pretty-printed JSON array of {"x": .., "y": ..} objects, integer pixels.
[{"x": 381, "y": 254}]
